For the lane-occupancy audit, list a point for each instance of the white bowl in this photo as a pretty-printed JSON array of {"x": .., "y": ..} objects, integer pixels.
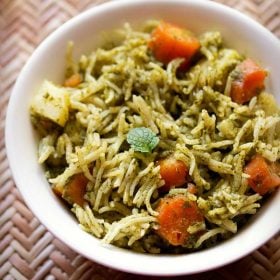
[{"x": 239, "y": 32}]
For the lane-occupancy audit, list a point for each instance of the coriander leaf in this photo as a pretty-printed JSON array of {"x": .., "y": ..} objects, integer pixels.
[{"x": 142, "y": 139}]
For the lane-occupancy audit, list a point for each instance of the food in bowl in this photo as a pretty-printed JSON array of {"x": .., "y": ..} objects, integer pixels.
[{"x": 161, "y": 141}]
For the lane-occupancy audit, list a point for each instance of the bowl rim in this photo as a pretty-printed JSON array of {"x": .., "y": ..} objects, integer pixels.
[{"x": 136, "y": 263}]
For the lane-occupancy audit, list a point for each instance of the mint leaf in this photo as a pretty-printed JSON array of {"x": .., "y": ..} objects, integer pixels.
[{"x": 142, "y": 139}]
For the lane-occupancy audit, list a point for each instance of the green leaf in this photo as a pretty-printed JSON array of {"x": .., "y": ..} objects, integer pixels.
[{"x": 142, "y": 139}]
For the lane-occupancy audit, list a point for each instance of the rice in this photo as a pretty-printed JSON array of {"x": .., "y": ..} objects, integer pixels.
[{"x": 123, "y": 87}]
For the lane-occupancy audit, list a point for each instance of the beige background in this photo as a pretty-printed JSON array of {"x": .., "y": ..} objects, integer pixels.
[{"x": 27, "y": 249}]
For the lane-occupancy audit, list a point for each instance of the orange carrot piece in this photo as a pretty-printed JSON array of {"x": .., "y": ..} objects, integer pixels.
[
  {"x": 263, "y": 177},
  {"x": 248, "y": 81},
  {"x": 73, "y": 80},
  {"x": 174, "y": 173},
  {"x": 176, "y": 214},
  {"x": 75, "y": 189},
  {"x": 169, "y": 41}
]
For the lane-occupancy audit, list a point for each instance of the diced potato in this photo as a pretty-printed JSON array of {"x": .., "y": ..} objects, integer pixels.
[{"x": 52, "y": 102}]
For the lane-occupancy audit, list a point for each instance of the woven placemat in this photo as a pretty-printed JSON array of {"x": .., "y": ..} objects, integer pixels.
[{"x": 27, "y": 249}]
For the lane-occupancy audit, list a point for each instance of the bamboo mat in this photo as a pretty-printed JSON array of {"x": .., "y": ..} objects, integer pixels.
[{"x": 27, "y": 249}]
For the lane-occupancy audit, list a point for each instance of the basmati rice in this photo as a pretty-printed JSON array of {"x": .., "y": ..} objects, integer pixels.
[{"x": 124, "y": 87}]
